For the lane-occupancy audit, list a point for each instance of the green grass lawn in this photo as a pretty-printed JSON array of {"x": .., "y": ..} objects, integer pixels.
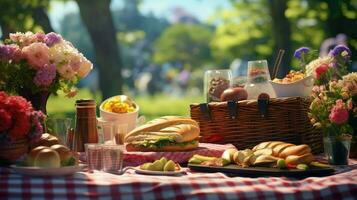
[{"x": 150, "y": 106}]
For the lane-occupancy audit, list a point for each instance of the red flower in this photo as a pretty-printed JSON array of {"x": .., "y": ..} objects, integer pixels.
[{"x": 320, "y": 70}]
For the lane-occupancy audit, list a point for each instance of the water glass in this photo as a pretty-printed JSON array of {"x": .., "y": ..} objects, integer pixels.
[
  {"x": 112, "y": 158},
  {"x": 105, "y": 130},
  {"x": 258, "y": 78},
  {"x": 215, "y": 82},
  {"x": 94, "y": 156},
  {"x": 59, "y": 127}
]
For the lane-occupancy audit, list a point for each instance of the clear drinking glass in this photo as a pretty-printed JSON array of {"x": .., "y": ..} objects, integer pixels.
[
  {"x": 59, "y": 127},
  {"x": 258, "y": 78},
  {"x": 215, "y": 82},
  {"x": 113, "y": 158},
  {"x": 105, "y": 130},
  {"x": 94, "y": 156}
]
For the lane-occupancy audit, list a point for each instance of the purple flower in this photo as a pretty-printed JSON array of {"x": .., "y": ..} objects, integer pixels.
[
  {"x": 300, "y": 51},
  {"x": 45, "y": 75},
  {"x": 10, "y": 52},
  {"x": 341, "y": 50},
  {"x": 52, "y": 39}
]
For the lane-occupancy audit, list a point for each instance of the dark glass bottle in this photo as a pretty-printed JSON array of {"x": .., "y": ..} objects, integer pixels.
[{"x": 86, "y": 124}]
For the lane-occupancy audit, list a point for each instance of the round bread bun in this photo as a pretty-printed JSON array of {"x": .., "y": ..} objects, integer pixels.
[
  {"x": 46, "y": 140},
  {"x": 33, "y": 153},
  {"x": 295, "y": 150},
  {"x": 63, "y": 151},
  {"x": 47, "y": 158},
  {"x": 302, "y": 159},
  {"x": 188, "y": 147}
]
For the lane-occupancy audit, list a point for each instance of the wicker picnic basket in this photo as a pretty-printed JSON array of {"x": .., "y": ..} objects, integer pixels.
[{"x": 246, "y": 123}]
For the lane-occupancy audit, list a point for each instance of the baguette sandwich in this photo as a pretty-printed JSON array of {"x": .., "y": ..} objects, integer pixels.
[{"x": 170, "y": 133}]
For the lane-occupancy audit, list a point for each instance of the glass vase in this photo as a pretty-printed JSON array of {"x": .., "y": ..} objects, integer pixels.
[{"x": 337, "y": 149}]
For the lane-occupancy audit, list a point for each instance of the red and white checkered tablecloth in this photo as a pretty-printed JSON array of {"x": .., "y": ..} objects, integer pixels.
[{"x": 100, "y": 185}]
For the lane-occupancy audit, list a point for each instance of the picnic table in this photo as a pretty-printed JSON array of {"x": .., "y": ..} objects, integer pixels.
[{"x": 189, "y": 185}]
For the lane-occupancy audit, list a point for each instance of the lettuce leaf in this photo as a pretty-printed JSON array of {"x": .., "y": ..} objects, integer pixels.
[{"x": 161, "y": 142}]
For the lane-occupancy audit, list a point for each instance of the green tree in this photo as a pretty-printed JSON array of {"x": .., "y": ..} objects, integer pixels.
[
  {"x": 244, "y": 32},
  {"x": 187, "y": 44},
  {"x": 103, "y": 35},
  {"x": 29, "y": 15}
]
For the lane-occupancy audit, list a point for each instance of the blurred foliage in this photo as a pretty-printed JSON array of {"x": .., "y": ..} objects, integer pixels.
[
  {"x": 184, "y": 43},
  {"x": 17, "y": 16},
  {"x": 244, "y": 32}
]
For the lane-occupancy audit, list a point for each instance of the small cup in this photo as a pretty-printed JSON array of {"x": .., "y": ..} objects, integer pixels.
[
  {"x": 215, "y": 82},
  {"x": 120, "y": 131},
  {"x": 112, "y": 158},
  {"x": 106, "y": 130},
  {"x": 94, "y": 156},
  {"x": 59, "y": 127}
]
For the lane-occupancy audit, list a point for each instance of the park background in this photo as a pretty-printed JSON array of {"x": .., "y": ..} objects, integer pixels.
[{"x": 156, "y": 51}]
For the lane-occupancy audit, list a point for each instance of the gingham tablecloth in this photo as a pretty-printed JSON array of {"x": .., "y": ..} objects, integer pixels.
[{"x": 100, "y": 185}]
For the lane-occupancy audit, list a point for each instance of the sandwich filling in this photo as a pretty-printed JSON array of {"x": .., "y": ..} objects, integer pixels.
[{"x": 161, "y": 142}]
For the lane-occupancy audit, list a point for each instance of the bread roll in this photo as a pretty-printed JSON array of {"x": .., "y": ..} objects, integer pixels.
[
  {"x": 62, "y": 151},
  {"x": 295, "y": 150},
  {"x": 279, "y": 148},
  {"x": 293, "y": 154},
  {"x": 46, "y": 140},
  {"x": 162, "y": 126},
  {"x": 164, "y": 134},
  {"x": 302, "y": 159},
  {"x": 47, "y": 158},
  {"x": 33, "y": 153}
]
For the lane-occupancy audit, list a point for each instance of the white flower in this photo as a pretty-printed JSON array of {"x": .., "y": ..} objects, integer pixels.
[{"x": 66, "y": 72}]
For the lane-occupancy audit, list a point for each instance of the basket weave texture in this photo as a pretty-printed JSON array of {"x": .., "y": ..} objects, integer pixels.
[
  {"x": 286, "y": 120},
  {"x": 11, "y": 152}
]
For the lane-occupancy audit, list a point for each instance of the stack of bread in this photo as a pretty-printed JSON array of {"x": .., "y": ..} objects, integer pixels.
[
  {"x": 270, "y": 152},
  {"x": 169, "y": 133}
]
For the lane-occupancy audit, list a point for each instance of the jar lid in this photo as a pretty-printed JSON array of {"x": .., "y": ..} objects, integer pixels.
[{"x": 85, "y": 102}]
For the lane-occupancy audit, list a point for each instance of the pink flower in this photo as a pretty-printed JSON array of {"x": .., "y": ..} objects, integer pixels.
[
  {"x": 85, "y": 68},
  {"x": 320, "y": 70},
  {"x": 339, "y": 114},
  {"x": 349, "y": 104},
  {"x": 37, "y": 54}
]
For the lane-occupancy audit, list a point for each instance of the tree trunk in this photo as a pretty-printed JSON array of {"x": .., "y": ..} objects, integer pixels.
[
  {"x": 281, "y": 34},
  {"x": 41, "y": 18},
  {"x": 97, "y": 17}
]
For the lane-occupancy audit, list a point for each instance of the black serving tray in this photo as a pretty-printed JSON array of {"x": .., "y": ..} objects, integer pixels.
[{"x": 235, "y": 170}]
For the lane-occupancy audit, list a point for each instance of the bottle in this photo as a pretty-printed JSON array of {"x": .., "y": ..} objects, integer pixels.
[{"x": 86, "y": 124}]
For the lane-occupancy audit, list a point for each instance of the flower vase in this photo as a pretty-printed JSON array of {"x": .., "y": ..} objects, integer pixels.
[
  {"x": 337, "y": 149},
  {"x": 353, "y": 151},
  {"x": 38, "y": 99}
]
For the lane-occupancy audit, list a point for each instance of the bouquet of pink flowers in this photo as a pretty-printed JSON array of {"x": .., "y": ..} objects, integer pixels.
[
  {"x": 41, "y": 62},
  {"x": 334, "y": 105},
  {"x": 18, "y": 120}
]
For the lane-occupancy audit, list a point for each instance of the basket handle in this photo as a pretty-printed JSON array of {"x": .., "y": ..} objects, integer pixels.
[
  {"x": 263, "y": 106},
  {"x": 204, "y": 108},
  {"x": 232, "y": 109}
]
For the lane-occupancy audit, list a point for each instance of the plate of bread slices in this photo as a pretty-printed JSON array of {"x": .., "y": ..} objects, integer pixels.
[{"x": 273, "y": 158}]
